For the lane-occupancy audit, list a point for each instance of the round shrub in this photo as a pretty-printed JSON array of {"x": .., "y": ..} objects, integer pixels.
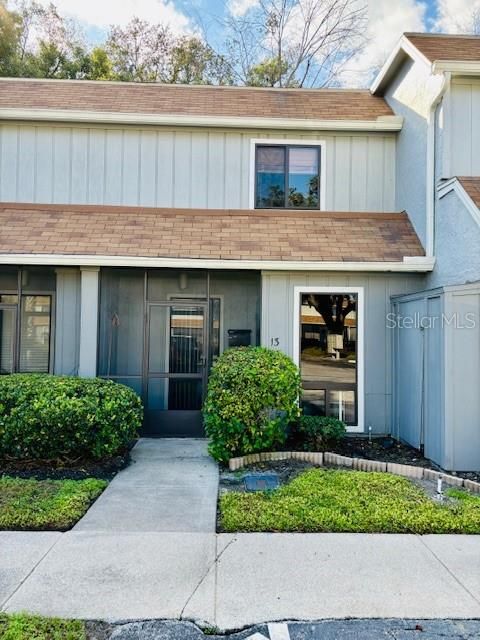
[
  {"x": 252, "y": 396},
  {"x": 52, "y": 417},
  {"x": 318, "y": 432}
]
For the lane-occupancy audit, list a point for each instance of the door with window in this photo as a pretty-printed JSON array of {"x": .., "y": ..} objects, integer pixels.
[
  {"x": 330, "y": 354},
  {"x": 176, "y": 368}
]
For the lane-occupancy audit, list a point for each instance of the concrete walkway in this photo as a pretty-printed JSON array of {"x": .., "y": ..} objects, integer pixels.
[
  {"x": 171, "y": 485},
  {"x": 148, "y": 549}
]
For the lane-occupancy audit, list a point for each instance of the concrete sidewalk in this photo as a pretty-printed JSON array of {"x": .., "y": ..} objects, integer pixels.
[
  {"x": 171, "y": 485},
  {"x": 231, "y": 581}
]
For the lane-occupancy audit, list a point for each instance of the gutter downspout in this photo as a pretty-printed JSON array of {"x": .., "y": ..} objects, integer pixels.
[{"x": 430, "y": 178}]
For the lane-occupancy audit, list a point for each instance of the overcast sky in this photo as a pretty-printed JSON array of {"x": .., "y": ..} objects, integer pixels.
[{"x": 388, "y": 18}]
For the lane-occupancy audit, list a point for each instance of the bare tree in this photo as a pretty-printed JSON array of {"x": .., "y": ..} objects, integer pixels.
[
  {"x": 140, "y": 51},
  {"x": 295, "y": 43}
]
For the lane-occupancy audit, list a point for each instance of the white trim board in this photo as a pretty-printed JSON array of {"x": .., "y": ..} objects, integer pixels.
[
  {"x": 410, "y": 264},
  {"x": 382, "y": 123},
  {"x": 403, "y": 47},
  {"x": 455, "y": 185},
  {"x": 360, "y": 292},
  {"x": 286, "y": 142}
]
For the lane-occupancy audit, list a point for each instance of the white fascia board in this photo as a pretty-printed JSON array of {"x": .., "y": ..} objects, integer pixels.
[
  {"x": 457, "y": 67},
  {"x": 456, "y": 186},
  {"x": 410, "y": 264},
  {"x": 382, "y": 123},
  {"x": 403, "y": 46}
]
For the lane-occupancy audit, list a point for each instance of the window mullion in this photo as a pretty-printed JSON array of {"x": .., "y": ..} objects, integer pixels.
[{"x": 287, "y": 180}]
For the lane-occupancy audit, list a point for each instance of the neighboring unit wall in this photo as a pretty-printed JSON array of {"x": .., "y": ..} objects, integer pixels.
[
  {"x": 164, "y": 167},
  {"x": 462, "y": 378},
  {"x": 437, "y": 375},
  {"x": 457, "y": 244},
  {"x": 279, "y": 315},
  {"x": 461, "y": 124},
  {"x": 410, "y": 95}
]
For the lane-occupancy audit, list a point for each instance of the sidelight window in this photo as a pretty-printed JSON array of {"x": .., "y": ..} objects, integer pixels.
[{"x": 26, "y": 310}]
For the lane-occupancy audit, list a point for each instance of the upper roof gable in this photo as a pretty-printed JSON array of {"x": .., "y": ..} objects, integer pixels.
[
  {"x": 441, "y": 46},
  {"x": 437, "y": 51},
  {"x": 186, "y": 103}
]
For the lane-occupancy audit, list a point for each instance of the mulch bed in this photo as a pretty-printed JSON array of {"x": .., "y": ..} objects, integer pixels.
[
  {"x": 383, "y": 449},
  {"x": 391, "y": 450},
  {"x": 66, "y": 469}
]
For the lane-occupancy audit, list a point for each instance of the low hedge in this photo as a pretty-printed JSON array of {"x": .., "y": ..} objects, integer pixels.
[
  {"x": 316, "y": 433},
  {"x": 63, "y": 417},
  {"x": 252, "y": 397}
]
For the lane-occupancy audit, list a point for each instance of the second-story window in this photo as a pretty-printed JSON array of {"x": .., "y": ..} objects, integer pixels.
[{"x": 287, "y": 177}]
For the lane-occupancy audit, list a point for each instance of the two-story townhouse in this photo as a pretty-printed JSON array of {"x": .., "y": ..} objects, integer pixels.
[{"x": 145, "y": 228}]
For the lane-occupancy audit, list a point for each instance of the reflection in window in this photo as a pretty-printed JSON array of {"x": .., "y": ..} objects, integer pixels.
[
  {"x": 271, "y": 177},
  {"x": 25, "y": 348},
  {"x": 7, "y": 339},
  {"x": 287, "y": 177},
  {"x": 328, "y": 355},
  {"x": 35, "y": 334}
]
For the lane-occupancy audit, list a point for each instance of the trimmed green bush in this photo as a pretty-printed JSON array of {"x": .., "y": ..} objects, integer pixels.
[
  {"x": 319, "y": 432},
  {"x": 252, "y": 397},
  {"x": 56, "y": 418}
]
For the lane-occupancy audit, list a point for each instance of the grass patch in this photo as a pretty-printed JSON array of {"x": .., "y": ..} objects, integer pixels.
[
  {"x": 45, "y": 504},
  {"x": 320, "y": 500},
  {"x": 22, "y": 626}
]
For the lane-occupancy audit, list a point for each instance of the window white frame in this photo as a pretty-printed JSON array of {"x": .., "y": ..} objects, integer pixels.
[
  {"x": 254, "y": 142},
  {"x": 359, "y": 292}
]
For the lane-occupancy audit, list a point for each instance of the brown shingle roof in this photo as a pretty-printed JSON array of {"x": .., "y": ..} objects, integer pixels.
[
  {"x": 207, "y": 234},
  {"x": 135, "y": 98},
  {"x": 472, "y": 187},
  {"x": 446, "y": 47}
]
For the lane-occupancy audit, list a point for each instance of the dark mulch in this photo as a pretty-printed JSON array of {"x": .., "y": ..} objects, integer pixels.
[
  {"x": 390, "y": 450},
  {"x": 384, "y": 449},
  {"x": 66, "y": 469}
]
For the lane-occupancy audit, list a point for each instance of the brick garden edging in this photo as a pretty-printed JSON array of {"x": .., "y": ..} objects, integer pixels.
[{"x": 320, "y": 459}]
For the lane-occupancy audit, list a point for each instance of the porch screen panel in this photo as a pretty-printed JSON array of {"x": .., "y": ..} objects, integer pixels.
[
  {"x": 122, "y": 325},
  {"x": 328, "y": 355}
]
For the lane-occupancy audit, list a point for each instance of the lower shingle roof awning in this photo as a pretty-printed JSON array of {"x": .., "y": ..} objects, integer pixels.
[{"x": 130, "y": 235}]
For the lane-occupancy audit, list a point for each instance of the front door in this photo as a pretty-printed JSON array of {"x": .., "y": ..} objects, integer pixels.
[{"x": 176, "y": 368}]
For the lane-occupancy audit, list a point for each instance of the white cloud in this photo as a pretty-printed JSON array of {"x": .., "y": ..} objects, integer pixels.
[
  {"x": 239, "y": 8},
  {"x": 102, "y": 13},
  {"x": 458, "y": 16},
  {"x": 387, "y": 21}
]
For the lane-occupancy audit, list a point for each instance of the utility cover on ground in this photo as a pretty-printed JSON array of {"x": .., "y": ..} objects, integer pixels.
[{"x": 261, "y": 481}]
